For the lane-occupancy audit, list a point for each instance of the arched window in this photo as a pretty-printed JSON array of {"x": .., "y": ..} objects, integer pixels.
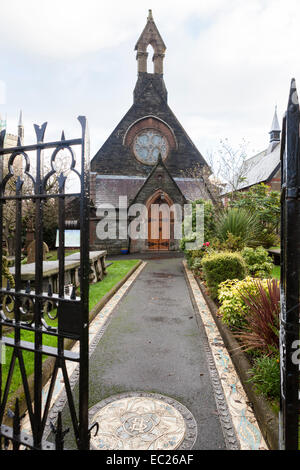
[{"x": 150, "y": 54}]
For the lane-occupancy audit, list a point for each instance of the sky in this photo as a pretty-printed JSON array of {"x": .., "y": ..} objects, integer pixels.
[{"x": 227, "y": 64}]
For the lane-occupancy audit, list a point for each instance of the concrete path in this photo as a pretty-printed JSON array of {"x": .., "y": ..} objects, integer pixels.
[{"x": 155, "y": 342}]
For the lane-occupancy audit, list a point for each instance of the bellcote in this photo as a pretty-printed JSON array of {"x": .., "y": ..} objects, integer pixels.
[{"x": 150, "y": 35}]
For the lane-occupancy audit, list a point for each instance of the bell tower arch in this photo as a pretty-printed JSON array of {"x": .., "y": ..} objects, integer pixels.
[{"x": 150, "y": 35}]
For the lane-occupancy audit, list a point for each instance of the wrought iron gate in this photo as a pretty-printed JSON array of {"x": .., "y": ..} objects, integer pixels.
[
  {"x": 290, "y": 275},
  {"x": 29, "y": 308}
]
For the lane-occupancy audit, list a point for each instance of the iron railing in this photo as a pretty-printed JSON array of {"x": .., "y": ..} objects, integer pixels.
[
  {"x": 290, "y": 275},
  {"x": 28, "y": 308}
]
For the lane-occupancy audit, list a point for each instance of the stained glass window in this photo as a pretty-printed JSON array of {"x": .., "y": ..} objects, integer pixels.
[{"x": 148, "y": 145}]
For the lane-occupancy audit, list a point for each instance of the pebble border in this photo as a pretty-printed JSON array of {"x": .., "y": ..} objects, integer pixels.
[{"x": 241, "y": 414}]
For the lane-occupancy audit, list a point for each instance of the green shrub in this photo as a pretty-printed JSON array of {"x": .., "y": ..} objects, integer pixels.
[
  {"x": 265, "y": 203},
  {"x": 265, "y": 375},
  {"x": 218, "y": 267},
  {"x": 232, "y": 243},
  {"x": 197, "y": 266},
  {"x": 258, "y": 261},
  {"x": 233, "y": 307},
  {"x": 192, "y": 255},
  {"x": 190, "y": 223},
  {"x": 240, "y": 223}
]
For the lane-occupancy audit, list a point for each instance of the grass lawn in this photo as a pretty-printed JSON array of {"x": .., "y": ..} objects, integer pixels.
[
  {"x": 115, "y": 273},
  {"x": 276, "y": 272}
]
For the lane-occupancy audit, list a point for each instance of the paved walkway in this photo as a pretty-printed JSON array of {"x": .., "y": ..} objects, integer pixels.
[{"x": 154, "y": 343}]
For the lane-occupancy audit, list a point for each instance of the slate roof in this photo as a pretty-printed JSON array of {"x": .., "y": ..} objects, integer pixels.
[
  {"x": 275, "y": 127},
  {"x": 192, "y": 189},
  {"x": 261, "y": 167},
  {"x": 110, "y": 187}
]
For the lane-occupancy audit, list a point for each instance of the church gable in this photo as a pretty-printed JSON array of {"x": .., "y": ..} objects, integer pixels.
[
  {"x": 116, "y": 156},
  {"x": 159, "y": 180}
]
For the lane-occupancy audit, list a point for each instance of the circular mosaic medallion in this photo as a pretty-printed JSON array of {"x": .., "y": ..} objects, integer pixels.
[{"x": 142, "y": 421}]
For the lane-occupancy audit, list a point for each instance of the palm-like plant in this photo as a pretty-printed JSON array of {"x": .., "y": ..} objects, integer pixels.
[{"x": 240, "y": 223}]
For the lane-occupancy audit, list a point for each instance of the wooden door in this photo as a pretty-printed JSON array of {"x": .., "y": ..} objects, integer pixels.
[{"x": 155, "y": 229}]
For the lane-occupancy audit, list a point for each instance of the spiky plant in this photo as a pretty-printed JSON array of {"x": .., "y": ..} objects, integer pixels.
[
  {"x": 261, "y": 331},
  {"x": 240, "y": 223}
]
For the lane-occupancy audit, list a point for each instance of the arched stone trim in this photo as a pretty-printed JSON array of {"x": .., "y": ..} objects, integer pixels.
[
  {"x": 150, "y": 122},
  {"x": 156, "y": 195}
]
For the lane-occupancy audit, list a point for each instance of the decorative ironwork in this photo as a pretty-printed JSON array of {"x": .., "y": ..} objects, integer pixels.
[
  {"x": 290, "y": 274},
  {"x": 30, "y": 308}
]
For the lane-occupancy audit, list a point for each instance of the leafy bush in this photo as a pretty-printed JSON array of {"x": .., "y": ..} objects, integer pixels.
[
  {"x": 261, "y": 331},
  {"x": 192, "y": 255},
  {"x": 197, "y": 266},
  {"x": 240, "y": 223},
  {"x": 266, "y": 204},
  {"x": 258, "y": 261},
  {"x": 265, "y": 375},
  {"x": 232, "y": 243},
  {"x": 218, "y": 267},
  {"x": 252, "y": 307},
  {"x": 233, "y": 307},
  {"x": 209, "y": 223}
]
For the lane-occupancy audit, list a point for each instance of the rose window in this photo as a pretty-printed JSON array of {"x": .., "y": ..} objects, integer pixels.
[{"x": 148, "y": 145}]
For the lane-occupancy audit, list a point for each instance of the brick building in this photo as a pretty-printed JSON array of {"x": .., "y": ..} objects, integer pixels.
[{"x": 148, "y": 157}]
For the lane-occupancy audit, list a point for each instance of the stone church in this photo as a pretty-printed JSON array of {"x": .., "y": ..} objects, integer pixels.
[{"x": 148, "y": 157}]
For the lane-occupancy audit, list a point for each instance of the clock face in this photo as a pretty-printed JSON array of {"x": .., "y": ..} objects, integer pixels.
[{"x": 148, "y": 145}]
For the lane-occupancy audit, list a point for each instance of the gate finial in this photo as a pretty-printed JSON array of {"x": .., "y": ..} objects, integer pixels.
[
  {"x": 293, "y": 98},
  {"x": 20, "y": 129}
]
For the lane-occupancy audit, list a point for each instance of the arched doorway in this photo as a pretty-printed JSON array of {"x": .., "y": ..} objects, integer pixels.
[{"x": 160, "y": 222}]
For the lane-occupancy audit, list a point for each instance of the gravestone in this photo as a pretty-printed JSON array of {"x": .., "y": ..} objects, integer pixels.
[{"x": 31, "y": 252}]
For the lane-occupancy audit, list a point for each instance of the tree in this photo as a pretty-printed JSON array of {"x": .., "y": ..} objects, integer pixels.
[
  {"x": 265, "y": 203},
  {"x": 229, "y": 164},
  {"x": 50, "y": 208},
  {"x": 202, "y": 174}
]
